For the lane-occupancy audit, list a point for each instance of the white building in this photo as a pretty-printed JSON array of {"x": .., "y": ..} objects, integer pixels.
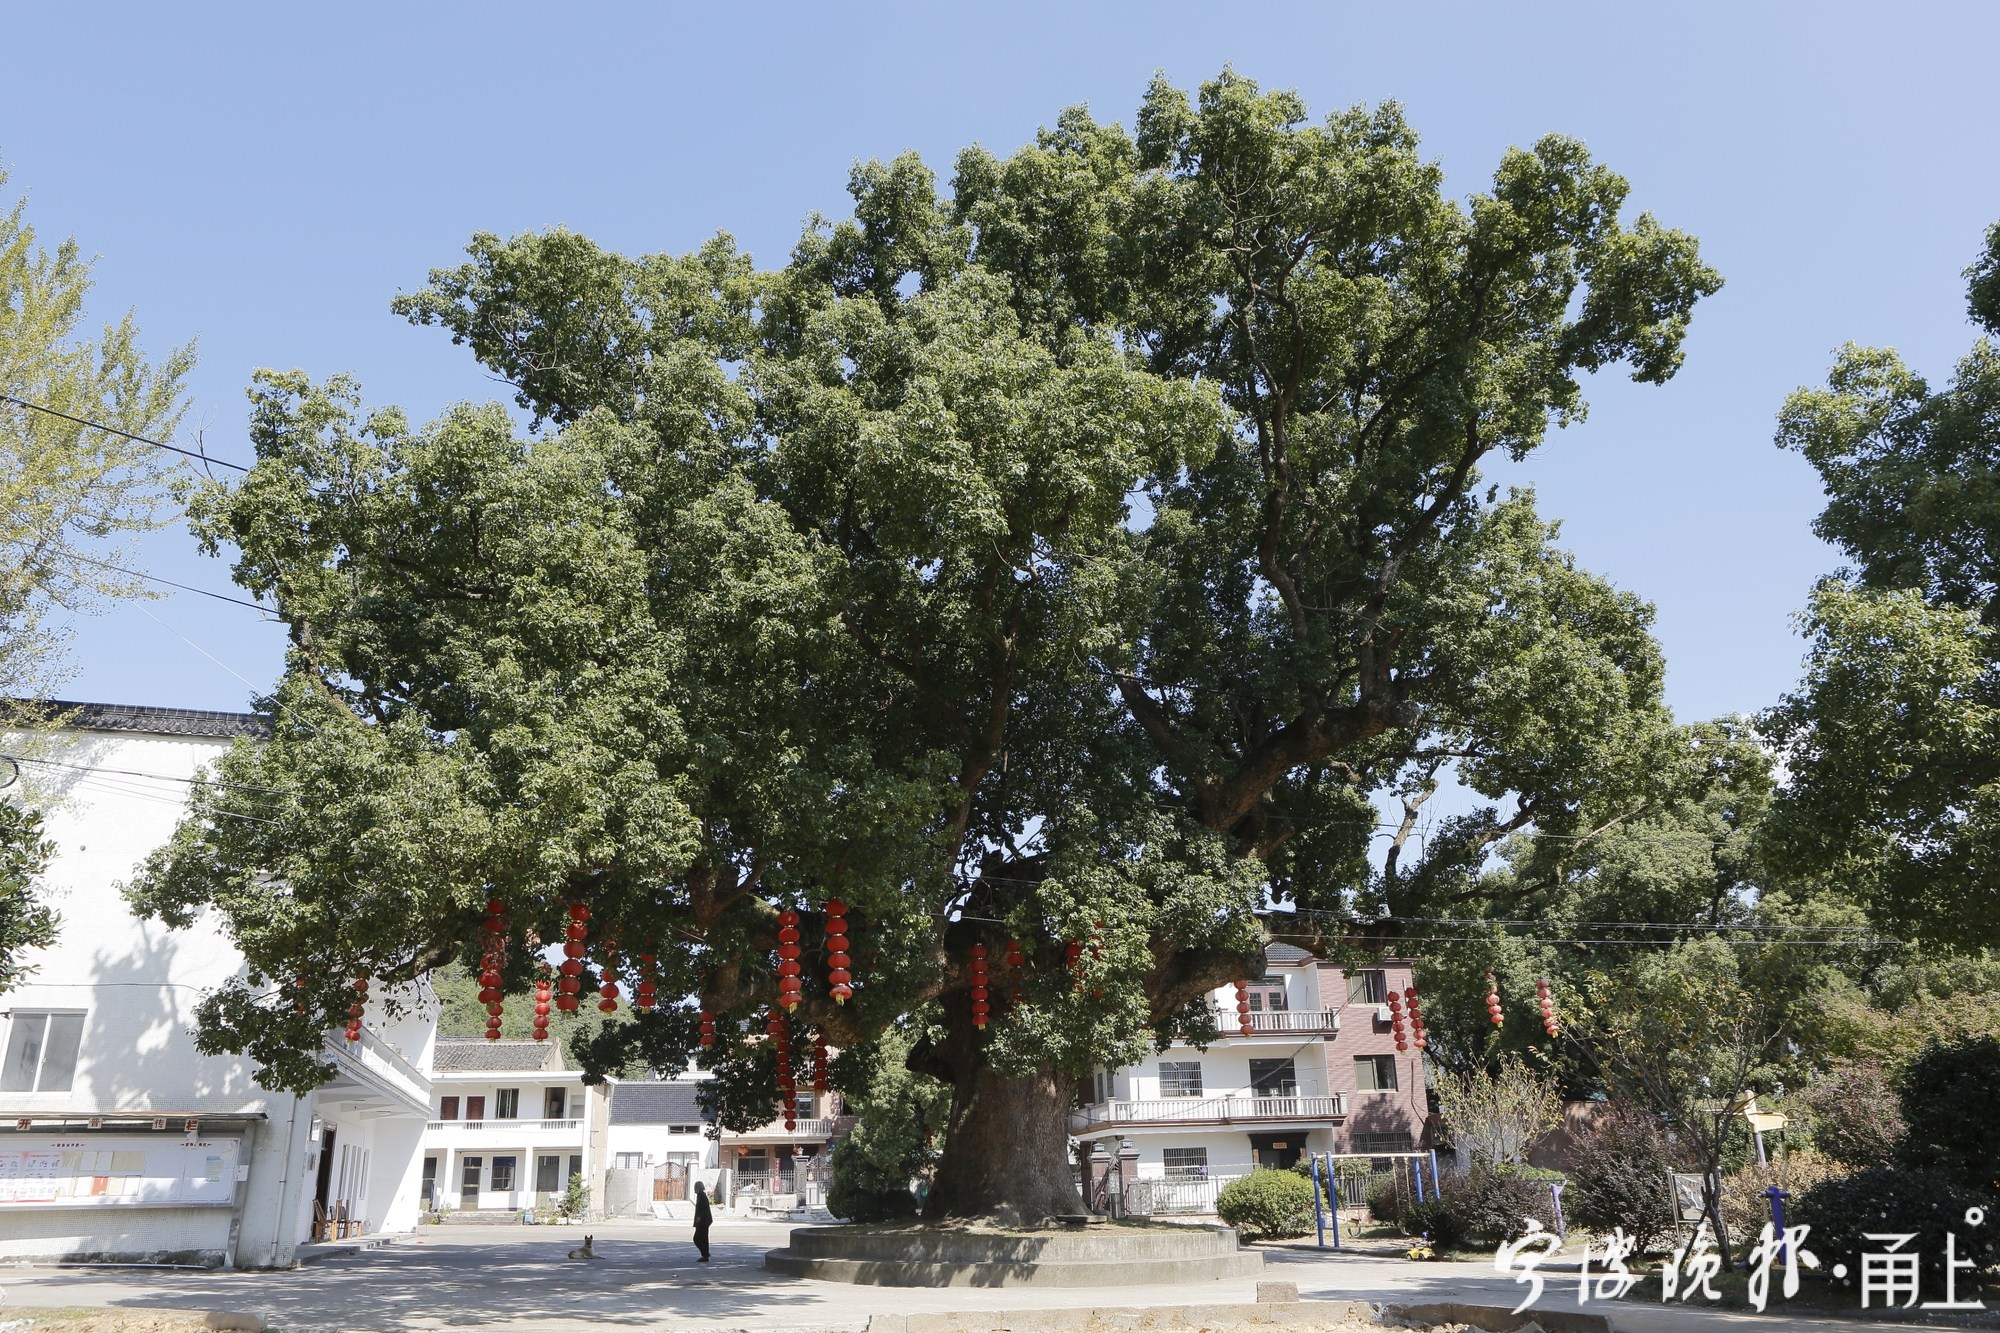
[
  {"x": 1319, "y": 1072},
  {"x": 661, "y": 1143},
  {"x": 119, "y": 1141},
  {"x": 510, "y": 1124}
]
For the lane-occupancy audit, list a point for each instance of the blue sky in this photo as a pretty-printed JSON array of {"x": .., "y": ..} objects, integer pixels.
[{"x": 264, "y": 178}]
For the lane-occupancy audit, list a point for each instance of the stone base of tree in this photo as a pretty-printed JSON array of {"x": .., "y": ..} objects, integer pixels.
[{"x": 942, "y": 1257}]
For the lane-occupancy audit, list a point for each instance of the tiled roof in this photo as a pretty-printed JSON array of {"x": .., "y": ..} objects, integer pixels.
[
  {"x": 655, "y": 1104},
  {"x": 154, "y": 721},
  {"x": 471, "y": 1055},
  {"x": 1285, "y": 953}
]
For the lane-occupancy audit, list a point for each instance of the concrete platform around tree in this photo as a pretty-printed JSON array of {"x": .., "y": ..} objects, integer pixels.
[{"x": 1103, "y": 1256}]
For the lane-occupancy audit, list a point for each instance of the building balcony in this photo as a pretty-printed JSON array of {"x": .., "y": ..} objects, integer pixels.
[
  {"x": 1279, "y": 1022},
  {"x": 507, "y": 1129},
  {"x": 817, "y": 1130},
  {"x": 375, "y": 1073},
  {"x": 1174, "y": 1112}
]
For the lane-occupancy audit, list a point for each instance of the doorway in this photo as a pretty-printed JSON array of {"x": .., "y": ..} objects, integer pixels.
[
  {"x": 1277, "y": 1152},
  {"x": 323, "y": 1183},
  {"x": 468, "y": 1184}
]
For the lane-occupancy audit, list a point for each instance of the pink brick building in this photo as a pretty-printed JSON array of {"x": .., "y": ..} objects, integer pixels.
[{"x": 1319, "y": 1073}]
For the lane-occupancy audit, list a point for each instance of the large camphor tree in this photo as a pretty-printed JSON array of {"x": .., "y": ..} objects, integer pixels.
[{"x": 1073, "y": 558}]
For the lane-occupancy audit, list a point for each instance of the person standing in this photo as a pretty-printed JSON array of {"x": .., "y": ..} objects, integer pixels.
[{"x": 703, "y": 1215}]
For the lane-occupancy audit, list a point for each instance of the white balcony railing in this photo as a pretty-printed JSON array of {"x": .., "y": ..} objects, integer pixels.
[
  {"x": 803, "y": 1129},
  {"x": 508, "y": 1126},
  {"x": 1280, "y": 1020},
  {"x": 1209, "y": 1110}
]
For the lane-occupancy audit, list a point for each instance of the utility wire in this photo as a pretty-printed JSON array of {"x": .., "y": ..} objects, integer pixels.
[
  {"x": 73, "y": 554},
  {"x": 123, "y": 434}
]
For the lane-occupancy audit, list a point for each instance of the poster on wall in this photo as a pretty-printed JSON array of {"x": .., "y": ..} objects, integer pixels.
[{"x": 129, "y": 1172}]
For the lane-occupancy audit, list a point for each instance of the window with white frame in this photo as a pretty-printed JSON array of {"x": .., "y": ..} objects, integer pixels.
[
  {"x": 503, "y": 1172},
  {"x": 1366, "y": 988},
  {"x": 507, "y": 1104},
  {"x": 41, "y": 1051},
  {"x": 630, "y": 1161},
  {"x": 1375, "y": 1073},
  {"x": 1185, "y": 1163},
  {"x": 683, "y": 1129},
  {"x": 1180, "y": 1078}
]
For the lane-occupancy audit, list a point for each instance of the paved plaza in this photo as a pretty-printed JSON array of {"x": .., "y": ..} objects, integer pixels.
[{"x": 645, "y": 1277}]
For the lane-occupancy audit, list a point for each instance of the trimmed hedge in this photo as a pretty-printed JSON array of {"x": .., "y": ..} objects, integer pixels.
[
  {"x": 1887, "y": 1200},
  {"x": 1267, "y": 1204}
]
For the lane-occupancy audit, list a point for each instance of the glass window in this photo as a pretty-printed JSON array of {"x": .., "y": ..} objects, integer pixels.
[
  {"x": 1274, "y": 1078},
  {"x": 683, "y": 1129},
  {"x": 507, "y": 1104},
  {"x": 553, "y": 1104},
  {"x": 1366, "y": 988},
  {"x": 631, "y": 1161},
  {"x": 1375, "y": 1073},
  {"x": 503, "y": 1172},
  {"x": 575, "y": 1167},
  {"x": 548, "y": 1174},
  {"x": 1185, "y": 1163},
  {"x": 41, "y": 1052},
  {"x": 1180, "y": 1078},
  {"x": 447, "y": 1108}
]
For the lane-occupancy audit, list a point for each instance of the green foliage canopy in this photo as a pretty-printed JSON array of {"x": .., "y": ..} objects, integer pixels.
[
  {"x": 1893, "y": 738},
  {"x": 1070, "y": 557}
]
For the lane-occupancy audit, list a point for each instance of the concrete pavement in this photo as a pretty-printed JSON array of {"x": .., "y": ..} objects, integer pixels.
[{"x": 516, "y": 1279}]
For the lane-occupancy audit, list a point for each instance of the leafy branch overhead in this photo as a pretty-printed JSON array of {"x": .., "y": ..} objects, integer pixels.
[{"x": 1072, "y": 556}]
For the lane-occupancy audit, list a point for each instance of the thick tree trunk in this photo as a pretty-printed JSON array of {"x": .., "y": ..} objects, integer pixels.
[{"x": 1006, "y": 1155}]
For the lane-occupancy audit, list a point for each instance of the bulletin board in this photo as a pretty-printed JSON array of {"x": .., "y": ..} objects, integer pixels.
[{"x": 119, "y": 1171}]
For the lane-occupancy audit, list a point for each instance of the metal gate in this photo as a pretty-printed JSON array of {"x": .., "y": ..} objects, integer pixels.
[{"x": 670, "y": 1182}]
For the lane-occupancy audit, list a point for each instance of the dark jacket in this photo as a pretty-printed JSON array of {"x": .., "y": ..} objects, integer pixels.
[{"x": 702, "y": 1215}]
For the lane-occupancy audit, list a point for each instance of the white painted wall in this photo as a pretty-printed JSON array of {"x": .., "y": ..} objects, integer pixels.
[{"x": 109, "y": 799}]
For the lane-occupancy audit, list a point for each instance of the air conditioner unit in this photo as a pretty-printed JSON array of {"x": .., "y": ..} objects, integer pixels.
[{"x": 1381, "y": 1013}]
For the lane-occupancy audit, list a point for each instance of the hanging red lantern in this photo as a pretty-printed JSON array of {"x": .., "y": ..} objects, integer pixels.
[
  {"x": 1396, "y": 1021},
  {"x": 788, "y": 959},
  {"x": 707, "y": 1028},
  {"x": 979, "y": 1003},
  {"x": 1493, "y": 1000},
  {"x": 354, "y": 1029},
  {"x": 1243, "y": 1023},
  {"x": 819, "y": 1062},
  {"x": 1417, "y": 1035},
  {"x": 1015, "y": 959},
  {"x": 578, "y": 912},
  {"x": 838, "y": 963}
]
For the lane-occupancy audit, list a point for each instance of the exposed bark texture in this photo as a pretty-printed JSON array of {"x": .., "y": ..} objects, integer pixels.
[{"x": 1006, "y": 1155}]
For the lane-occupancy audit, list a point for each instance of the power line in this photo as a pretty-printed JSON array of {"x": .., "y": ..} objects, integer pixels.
[
  {"x": 123, "y": 434},
  {"x": 74, "y": 554}
]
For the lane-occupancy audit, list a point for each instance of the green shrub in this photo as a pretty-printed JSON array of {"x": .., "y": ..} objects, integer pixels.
[
  {"x": 1884, "y": 1200},
  {"x": 1852, "y": 1115},
  {"x": 1951, "y": 1103},
  {"x": 1386, "y": 1200},
  {"x": 862, "y": 1192},
  {"x": 1619, "y": 1179},
  {"x": 1267, "y": 1204},
  {"x": 1494, "y": 1205},
  {"x": 1438, "y": 1220}
]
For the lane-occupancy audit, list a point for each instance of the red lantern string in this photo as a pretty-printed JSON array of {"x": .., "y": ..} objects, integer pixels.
[
  {"x": 648, "y": 993},
  {"x": 819, "y": 1062},
  {"x": 838, "y": 963},
  {"x": 1073, "y": 961},
  {"x": 979, "y": 1004},
  {"x": 1243, "y": 1023},
  {"x": 707, "y": 1028},
  {"x": 1493, "y": 1000},
  {"x": 608, "y": 974},
  {"x": 361, "y": 1003},
  {"x": 788, "y": 1088},
  {"x": 542, "y": 1007},
  {"x": 569, "y": 985},
  {"x": 492, "y": 958},
  {"x": 788, "y": 959},
  {"x": 1396, "y": 1021},
  {"x": 1417, "y": 1035},
  {"x": 1014, "y": 959},
  {"x": 1547, "y": 1004}
]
